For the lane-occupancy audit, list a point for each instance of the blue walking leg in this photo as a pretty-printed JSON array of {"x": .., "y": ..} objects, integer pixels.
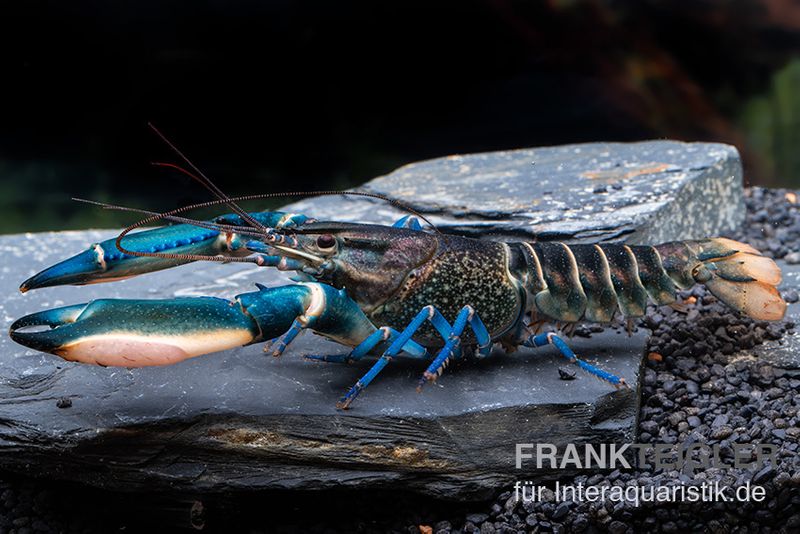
[
  {"x": 481, "y": 336},
  {"x": 382, "y": 335},
  {"x": 450, "y": 333},
  {"x": 452, "y": 347},
  {"x": 349, "y": 397},
  {"x": 282, "y": 342},
  {"x": 322, "y": 308},
  {"x": 428, "y": 313},
  {"x": 549, "y": 338},
  {"x": 411, "y": 348},
  {"x": 361, "y": 350},
  {"x": 409, "y": 221}
]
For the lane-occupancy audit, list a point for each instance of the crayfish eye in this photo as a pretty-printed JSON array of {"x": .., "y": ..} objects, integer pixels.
[{"x": 326, "y": 241}]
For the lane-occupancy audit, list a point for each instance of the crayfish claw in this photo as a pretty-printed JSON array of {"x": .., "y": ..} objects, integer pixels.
[{"x": 136, "y": 333}]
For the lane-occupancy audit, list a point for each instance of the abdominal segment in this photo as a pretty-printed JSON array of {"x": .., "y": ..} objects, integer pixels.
[{"x": 569, "y": 283}]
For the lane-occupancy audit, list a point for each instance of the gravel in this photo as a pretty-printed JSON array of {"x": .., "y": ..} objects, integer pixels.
[{"x": 697, "y": 387}]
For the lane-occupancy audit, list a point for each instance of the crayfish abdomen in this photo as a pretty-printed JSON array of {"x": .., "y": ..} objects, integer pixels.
[{"x": 569, "y": 283}]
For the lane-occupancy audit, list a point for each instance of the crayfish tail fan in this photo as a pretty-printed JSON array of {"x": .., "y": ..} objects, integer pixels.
[{"x": 734, "y": 272}]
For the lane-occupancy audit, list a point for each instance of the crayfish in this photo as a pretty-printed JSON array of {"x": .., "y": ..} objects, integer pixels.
[{"x": 384, "y": 291}]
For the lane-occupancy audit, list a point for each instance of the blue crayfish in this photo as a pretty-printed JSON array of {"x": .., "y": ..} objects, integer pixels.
[{"x": 384, "y": 291}]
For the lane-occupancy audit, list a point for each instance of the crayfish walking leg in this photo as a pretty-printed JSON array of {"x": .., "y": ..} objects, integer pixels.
[
  {"x": 549, "y": 338},
  {"x": 452, "y": 348}
]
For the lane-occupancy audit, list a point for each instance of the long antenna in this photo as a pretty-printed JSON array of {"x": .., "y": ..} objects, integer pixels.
[
  {"x": 205, "y": 181},
  {"x": 260, "y": 234},
  {"x": 243, "y": 230}
]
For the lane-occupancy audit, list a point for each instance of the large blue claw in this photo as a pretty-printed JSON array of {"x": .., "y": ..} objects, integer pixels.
[
  {"x": 103, "y": 262},
  {"x": 137, "y": 333}
]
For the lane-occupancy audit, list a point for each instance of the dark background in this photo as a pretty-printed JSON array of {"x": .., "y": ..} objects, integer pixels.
[{"x": 277, "y": 95}]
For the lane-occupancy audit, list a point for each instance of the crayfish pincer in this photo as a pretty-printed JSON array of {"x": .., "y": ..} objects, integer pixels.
[{"x": 383, "y": 291}]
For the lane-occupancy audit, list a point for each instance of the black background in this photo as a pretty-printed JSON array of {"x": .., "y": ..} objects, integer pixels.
[{"x": 275, "y": 96}]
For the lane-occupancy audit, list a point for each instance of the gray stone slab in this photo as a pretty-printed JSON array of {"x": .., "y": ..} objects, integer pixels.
[
  {"x": 646, "y": 192},
  {"x": 785, "y": 352},
  {"x": 243, "y": 420}
]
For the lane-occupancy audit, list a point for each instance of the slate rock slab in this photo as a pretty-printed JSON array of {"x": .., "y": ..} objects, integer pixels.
[
  {"x": 244, "y": 420},
  {"x": 240, "y": 420},
  {"x": 646, "y": 192}
]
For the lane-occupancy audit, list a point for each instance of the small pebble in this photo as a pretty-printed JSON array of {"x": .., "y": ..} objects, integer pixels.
[
  {"x": 563, "y": 374},
  {"x": 792, "y": 258}
]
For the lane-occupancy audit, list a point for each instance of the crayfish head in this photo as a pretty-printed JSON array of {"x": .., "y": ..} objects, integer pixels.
[{"x": 369, "y": 261}]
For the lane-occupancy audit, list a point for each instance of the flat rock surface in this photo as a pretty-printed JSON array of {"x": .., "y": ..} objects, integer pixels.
[
  {"x": 646, "y": 192},
  {"x": 242, "y": 419}
]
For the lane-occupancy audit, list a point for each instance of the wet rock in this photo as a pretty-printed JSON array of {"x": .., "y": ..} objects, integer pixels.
[
  {"x": 721, "y": 432},
  {"x": 646, "y": 192},
  {"x": 763, "y": 475},
  {"x": 561, "y": 511},
  {"x": 477, "y": 519}
]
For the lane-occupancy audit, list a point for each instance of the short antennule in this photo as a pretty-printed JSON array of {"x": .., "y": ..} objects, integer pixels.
[{"x": 735, "y": 273}]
